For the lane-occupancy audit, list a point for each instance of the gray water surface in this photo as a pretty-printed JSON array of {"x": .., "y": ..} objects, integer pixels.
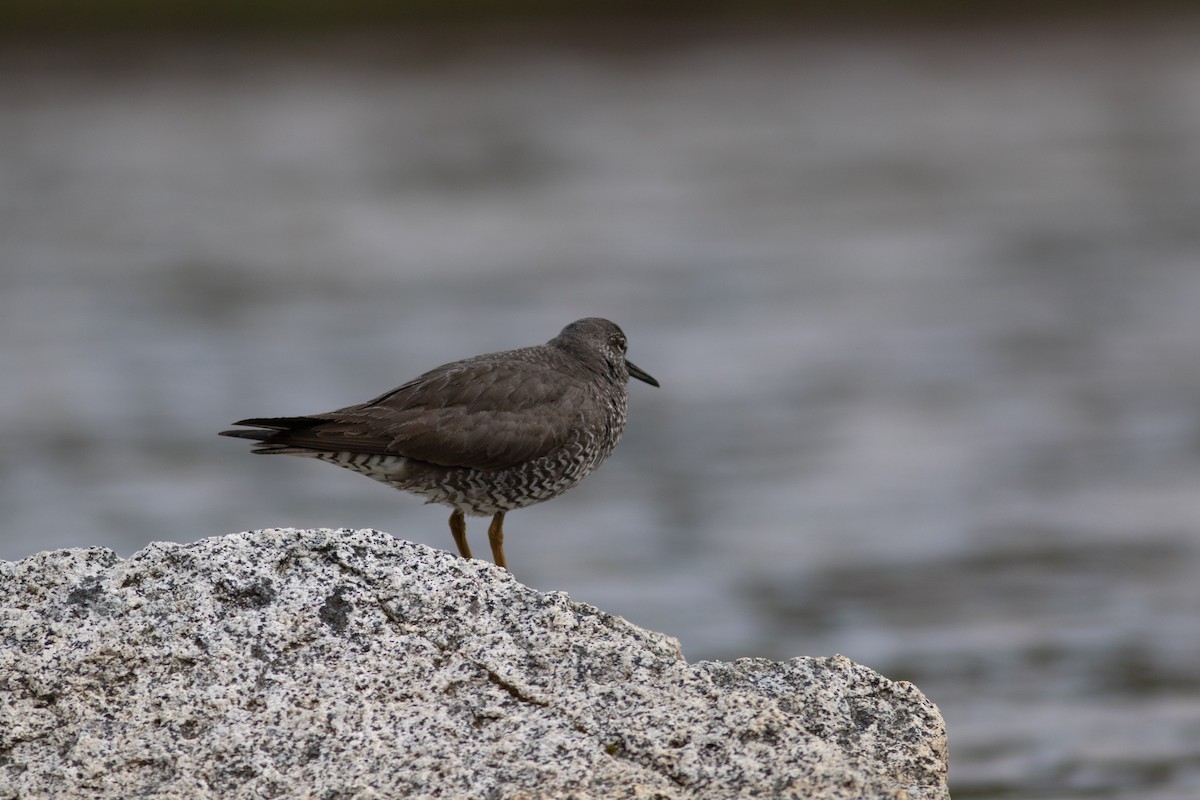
[{"x": 925, "y": 310}]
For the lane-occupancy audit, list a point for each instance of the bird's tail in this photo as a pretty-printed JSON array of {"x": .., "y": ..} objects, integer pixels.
[{"x": 273, "y": 434}]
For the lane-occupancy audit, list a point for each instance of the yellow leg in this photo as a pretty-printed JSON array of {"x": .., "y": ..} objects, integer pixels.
[
  {"x": 496, "y": 537},
  {"x": 458, "y": 529}
]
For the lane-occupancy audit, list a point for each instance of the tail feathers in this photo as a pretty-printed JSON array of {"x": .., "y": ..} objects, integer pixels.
[
  {"x": 284, "y": 450},
  {"x": 257, "y": 436},
  {"x": 279, "y": 423},
  {"x": 277, "y": 428}
]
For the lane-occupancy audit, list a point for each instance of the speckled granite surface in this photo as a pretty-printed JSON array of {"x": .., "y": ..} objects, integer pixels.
[{"x": 350, "y": 664}]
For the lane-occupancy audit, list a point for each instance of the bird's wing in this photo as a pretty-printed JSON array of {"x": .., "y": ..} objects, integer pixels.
[{"x": 487, "y": 415}]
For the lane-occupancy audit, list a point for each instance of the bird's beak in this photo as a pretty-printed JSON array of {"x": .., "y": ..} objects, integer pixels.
[{"x": 636, "y": 372}]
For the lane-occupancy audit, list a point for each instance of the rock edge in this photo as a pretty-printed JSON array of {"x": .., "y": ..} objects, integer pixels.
[{"x": 348, "y": 664}]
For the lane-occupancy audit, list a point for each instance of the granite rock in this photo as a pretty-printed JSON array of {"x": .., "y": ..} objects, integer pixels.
[{"x": 345, "y": 664}]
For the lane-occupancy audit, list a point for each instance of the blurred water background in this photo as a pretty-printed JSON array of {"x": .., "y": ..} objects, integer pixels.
[{"x": 924, "y": 304}]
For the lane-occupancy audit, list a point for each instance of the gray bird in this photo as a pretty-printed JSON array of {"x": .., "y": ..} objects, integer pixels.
[{"x": 484, "y": 435}]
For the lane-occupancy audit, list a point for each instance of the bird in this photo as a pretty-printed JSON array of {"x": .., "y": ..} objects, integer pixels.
[{"x": 485, "y": 435}]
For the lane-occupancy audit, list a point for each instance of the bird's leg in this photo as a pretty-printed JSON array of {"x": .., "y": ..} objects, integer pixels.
[
  {"x": 458, "y": 529},
  {"x": 496, "y": 537}
]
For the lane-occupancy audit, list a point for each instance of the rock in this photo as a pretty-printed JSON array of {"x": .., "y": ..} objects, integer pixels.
[{"x": 349, "y": 664}]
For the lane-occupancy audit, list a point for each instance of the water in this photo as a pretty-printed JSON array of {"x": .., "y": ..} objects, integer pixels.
[{"x": 924, "y": 309}]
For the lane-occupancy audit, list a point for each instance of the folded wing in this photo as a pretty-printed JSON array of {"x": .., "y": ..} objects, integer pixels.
[{"x": 479, "y": 415}]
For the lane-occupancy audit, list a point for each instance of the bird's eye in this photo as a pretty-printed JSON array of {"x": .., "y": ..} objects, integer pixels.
[{"x": 618, "y": 342}]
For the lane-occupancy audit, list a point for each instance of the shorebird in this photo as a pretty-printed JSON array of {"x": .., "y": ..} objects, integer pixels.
[{"x": 484, "y": 435}]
